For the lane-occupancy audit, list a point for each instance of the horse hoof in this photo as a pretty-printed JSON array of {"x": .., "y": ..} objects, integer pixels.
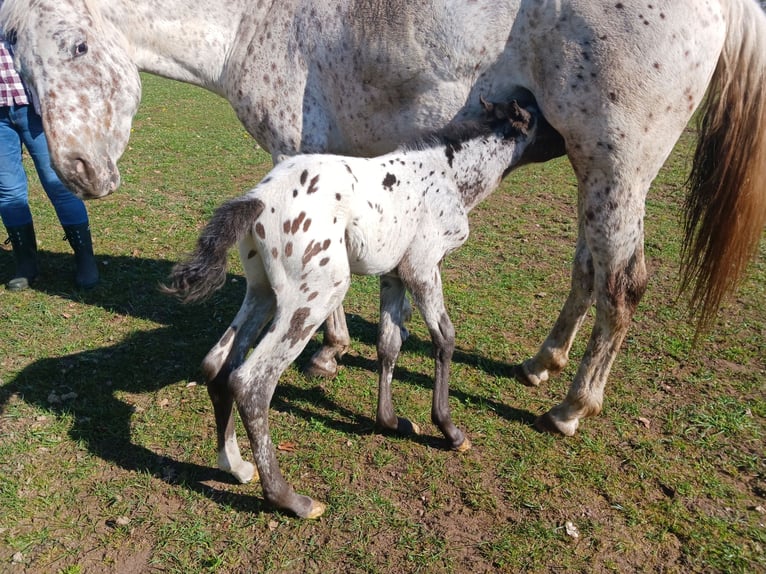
[
  {"x": 317, "y": 510},
  {"x": 322, "y": 370},
  {"x": 547, "y": 424},
  {"x": 464, "y": 446},
  {"x": 527, "y": 378},
  {"x": 406, "y": 427},
  {"x": 245, "y": 472}
]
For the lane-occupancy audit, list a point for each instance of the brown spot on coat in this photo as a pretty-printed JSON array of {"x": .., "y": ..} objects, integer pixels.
[
  {"x": 313, "y": 185},
  {"x": 297, "y": 222},
  {"x": 298, "y": 329},
  {"x": 260, "y": 231}
]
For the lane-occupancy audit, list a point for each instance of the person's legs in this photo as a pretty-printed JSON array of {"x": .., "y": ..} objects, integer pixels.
[
  {"x": 70, "y": 209},
  {"x": 14, "y": 205}
]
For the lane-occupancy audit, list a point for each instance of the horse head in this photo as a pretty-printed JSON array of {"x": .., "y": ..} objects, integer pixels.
[{"x": 57, "y": 44}]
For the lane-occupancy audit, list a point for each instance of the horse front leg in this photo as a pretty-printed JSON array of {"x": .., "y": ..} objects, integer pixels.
[
  {"x": 335, "y": 344},
  {"x": 553, "y": 354},
  {"x": 225, "y": 356},
  {"x": 394, "y": 311},
  {"x": 426, "y": 288}
]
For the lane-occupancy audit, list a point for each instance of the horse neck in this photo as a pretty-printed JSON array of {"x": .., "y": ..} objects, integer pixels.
[
  {"x": 185, "y": 40},
  {"x": 478, "y": 166}
]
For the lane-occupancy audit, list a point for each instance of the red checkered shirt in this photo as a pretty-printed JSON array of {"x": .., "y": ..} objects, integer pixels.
[{"x": 11, "y": 87}]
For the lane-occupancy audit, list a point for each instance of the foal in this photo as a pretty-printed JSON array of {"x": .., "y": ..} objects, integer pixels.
[{"x": 312, "y": 222}]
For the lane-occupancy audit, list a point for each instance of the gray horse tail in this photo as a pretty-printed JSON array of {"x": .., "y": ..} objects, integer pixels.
[{"x": 205, "y": 270}]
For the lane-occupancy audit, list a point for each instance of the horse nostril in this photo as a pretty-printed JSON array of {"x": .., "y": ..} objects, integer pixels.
[{"x": 79, "y": 167}]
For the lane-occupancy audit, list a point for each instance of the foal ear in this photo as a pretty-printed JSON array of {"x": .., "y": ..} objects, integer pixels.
[
  {"x": 520, "y": 118},
  {"x": 489, "y": 107}
]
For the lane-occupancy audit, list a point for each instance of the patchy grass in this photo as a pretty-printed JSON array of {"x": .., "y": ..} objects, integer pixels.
[{"x": 107, "y": 453}]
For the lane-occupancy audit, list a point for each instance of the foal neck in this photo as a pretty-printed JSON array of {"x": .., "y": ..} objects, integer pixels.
[{"x": 478, "y": 165}]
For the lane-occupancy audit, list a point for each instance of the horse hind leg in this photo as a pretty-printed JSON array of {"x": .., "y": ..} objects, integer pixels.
[
  {"x": 225, "y": 356},
  {"x": 614, "y": 234},
  {"x": 553, "y": 354},
  {"x": 297, "y": 317},
  {"x": 335, "y": 344},
  {"x": 394, "y": 311}
]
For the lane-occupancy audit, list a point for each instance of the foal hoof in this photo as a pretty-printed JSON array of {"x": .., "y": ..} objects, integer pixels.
[
  {"x": 317, "y": 510},
  {"x": 406, "y": 427},
  {"x": 547, "y": 424},
  {"x": 319, "y": 368},
  {"x": 245, "y": 472},
  {"x": 528, "y": 378},
  {"x": 464, "y": 446}
]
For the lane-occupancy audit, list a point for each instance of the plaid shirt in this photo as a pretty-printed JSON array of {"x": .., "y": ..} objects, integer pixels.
[{"x": 11, "y": 87}]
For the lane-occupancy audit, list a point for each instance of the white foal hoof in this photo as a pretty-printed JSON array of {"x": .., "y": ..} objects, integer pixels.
[
  {"x": 244, "y": 472},
  {"x": 547, "y": 423},
  {"x": 530, "y": 378}
]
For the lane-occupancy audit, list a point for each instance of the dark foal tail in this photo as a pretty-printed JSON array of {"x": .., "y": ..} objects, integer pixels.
[
  {"x": 205, "y": 271},
  {"x": 726, "y": 205}
]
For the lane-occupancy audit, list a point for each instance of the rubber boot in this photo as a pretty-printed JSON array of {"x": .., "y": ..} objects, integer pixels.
[
  {"x": 86, "y": 274},
  {"x": 24, "y": 243}
]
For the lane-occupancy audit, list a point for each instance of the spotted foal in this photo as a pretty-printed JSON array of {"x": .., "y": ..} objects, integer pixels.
[{"x": 312, "y": 222}]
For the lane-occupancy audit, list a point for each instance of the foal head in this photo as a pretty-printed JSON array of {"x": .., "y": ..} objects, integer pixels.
[
  {"x": 75, "y": 64},
  {"x": 509, "y": 118}
]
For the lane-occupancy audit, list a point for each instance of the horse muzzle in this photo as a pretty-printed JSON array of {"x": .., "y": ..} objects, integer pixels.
[{"x": 88, "y": 180}]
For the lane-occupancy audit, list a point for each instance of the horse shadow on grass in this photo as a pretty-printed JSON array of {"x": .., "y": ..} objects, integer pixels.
[{"x": 148, "y": 360}]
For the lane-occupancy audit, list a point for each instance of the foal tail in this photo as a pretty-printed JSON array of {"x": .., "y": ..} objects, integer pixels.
[
  {"x": 725, "y": 209},
  {"x": 205, "y": 271}
]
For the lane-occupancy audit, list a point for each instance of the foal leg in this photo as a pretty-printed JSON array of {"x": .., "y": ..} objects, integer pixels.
[
  {"x": 225, "y": 356},
  {"x": 426, "y": 289},
  {"x": 253, "y": 385},
  {"x": 554, "y": 352},
  {"x": 394, "y": 311},
  {"x": 336, "y": 342},
  {"x": 614, "y": 234}
]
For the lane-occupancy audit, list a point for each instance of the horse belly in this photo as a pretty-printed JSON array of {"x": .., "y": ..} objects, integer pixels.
[{"x": 376, "y": 242}]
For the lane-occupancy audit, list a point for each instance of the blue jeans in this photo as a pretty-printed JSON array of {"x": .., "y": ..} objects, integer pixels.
[{"x": 21, "y": 124}]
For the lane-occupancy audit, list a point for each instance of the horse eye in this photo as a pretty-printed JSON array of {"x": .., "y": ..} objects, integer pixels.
[
  {"x": 81, "y": 49},
  {"x": 10, "y": 37}
]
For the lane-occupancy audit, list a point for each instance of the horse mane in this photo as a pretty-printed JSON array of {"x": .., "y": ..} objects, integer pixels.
[
  {"x": 452, "y": 134},
  {"x": 15, "y": 14}
]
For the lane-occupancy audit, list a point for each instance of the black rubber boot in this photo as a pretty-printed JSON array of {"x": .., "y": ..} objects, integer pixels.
[
  {"x": 86, "y": 274},
  {"x": 24, "y": 243}
]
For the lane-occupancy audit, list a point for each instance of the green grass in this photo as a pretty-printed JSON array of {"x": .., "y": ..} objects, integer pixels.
[{"x": 107, "y": 447}]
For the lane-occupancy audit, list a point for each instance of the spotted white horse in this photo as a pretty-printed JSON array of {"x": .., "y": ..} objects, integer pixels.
[
  {"x": 618, "y": 80},
  {"x": 312, "y": 222}
]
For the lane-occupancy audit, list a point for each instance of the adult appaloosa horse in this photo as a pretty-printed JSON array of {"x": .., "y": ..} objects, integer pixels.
[{"x": 618, "y": 80}]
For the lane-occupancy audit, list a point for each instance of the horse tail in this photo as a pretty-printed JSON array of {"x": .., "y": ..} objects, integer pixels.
[
  {"x": 205, "y": 270},
  {"x": 725, "y": 209}
]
